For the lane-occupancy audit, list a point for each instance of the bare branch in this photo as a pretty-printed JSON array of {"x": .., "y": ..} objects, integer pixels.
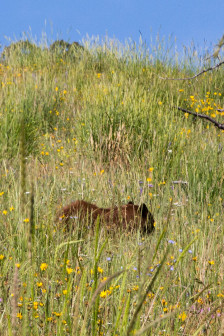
[
  {"x": 199, "y": 74},
  {"x": 218, "y": 47},
  {"x": 204, "y": 116},
  {"x": 180, "y": 182}
]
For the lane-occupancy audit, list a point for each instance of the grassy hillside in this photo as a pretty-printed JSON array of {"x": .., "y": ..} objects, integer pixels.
[{"x": 99, "y": 123}]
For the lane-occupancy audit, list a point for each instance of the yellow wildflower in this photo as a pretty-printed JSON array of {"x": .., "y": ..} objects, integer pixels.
[
  {"x": 211, "y": 262},
  {"x": 220, "y": 295},
  {"x": 69, "y": 270},
  {"x": 100, "y": 270},
  {"x": 20, "y": 316},
  {"x": 183, "y": 316},
  {"x": 43, "y": 266},
  {"x": 103, "y": 294},
  {"x": 35, "y": 305}
]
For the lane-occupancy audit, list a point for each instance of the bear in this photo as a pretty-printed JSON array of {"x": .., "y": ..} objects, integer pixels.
[{"x": 129, "y": 216}]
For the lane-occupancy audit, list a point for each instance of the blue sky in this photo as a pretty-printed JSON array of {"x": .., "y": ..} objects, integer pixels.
[{"x": 189, "y": 20}]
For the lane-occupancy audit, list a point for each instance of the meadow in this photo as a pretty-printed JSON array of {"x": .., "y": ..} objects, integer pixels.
[{"x": 99, "y": 123}]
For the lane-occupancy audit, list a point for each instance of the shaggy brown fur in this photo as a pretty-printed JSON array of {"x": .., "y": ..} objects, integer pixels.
[{"x": 128, "y": 216}]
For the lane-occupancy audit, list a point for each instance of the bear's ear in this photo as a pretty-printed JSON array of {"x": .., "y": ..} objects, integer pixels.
[
  {"x": 144, "y": 210},
  {"x": 130, "y": 202}
]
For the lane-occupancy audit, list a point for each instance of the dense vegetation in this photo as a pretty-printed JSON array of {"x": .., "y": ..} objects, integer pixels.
[{"x": 98, "y": 123}]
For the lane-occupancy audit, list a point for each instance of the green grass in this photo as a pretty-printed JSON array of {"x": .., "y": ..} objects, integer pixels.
[{"x": 100, "y": 124}]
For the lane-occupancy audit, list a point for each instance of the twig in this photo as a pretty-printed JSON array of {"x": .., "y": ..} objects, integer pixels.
[
  {"x": 179, "y": 182},
  {"x": 204, "y": 116},
  {"x": 199, "y": 74}
]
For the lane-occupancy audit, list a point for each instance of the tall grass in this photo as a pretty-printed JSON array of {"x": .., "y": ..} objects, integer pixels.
[{"x": 100, "y": 124}]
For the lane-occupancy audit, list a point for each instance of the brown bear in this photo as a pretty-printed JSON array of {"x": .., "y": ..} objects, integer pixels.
[{"x": 129, "y": 216}]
